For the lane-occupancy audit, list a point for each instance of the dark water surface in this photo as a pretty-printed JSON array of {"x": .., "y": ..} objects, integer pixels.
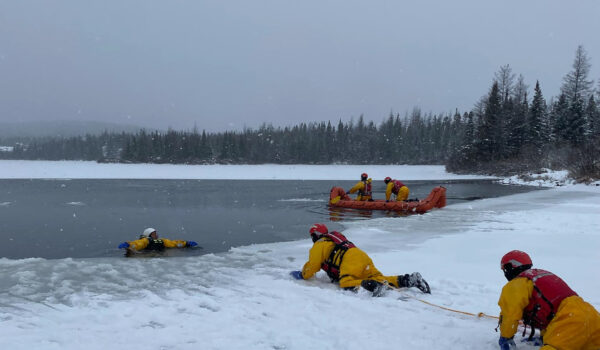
[{"x": 89, "y": 218}]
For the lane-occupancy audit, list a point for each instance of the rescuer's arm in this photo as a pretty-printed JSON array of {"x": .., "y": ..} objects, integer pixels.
[
  {"x": 388, "y": 190},
  {"x": 514, "y": 298},
  {"x": 139, "y": 244},
  {"x": 359, "y": 186},
  {"x": 174, "y": 243},
  {"x": 316, "y": 256}
]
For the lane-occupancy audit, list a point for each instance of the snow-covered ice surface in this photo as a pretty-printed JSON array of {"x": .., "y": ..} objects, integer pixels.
[
  {"x": 545, "y": 178},
  {"x": 245, "y": 299},
  {"x": 24, "y": 169}
]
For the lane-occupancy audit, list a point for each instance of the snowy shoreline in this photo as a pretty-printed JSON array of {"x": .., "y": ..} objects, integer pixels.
[{"x": 37, "y": 169}]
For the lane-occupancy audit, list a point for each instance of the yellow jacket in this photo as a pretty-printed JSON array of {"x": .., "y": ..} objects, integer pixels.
[
  {"x": 361, "y": 188},
  {"x": 402, "y": 194},
  {"x": 513, "y": 300},
  {"x": 142, "y": 243},
  {"x": 317, "y": 255},
  {"x": 355, "y": 267},
  {"x": 576, "y": 324}
]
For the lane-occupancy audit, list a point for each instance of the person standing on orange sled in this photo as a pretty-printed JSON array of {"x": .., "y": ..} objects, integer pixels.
[
  {"x": 349, "y": 266},
  {"x": 544, "y": 301}
]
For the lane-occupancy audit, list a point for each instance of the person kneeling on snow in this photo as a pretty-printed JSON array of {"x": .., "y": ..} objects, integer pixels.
[
  {"x": 544, "y": 301},
  {"x": 349, "y": 266},
  {"x": 149, "y": 241}
]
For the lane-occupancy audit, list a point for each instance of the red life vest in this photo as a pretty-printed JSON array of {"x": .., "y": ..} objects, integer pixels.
[
  {"x": 548, "y": 292},
  {"x": 397, "y": 185},
  {"x": 366, "y": 191},
  {"x": 332, "y": 265}
]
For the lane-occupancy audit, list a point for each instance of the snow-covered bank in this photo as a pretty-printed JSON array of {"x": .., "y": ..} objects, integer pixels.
[
  {"x": 26, "y": 169},
  {"x": 244, "y": 299}
]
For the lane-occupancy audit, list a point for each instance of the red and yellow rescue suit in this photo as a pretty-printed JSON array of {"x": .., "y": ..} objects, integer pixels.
[
  {"x": 156, "y": 244},
  {"x": 546, "y": 302},
  {"x": 347, "y": 266},
  {"x": 398, "y": 188},
  {"x": 364, "y": 190}
]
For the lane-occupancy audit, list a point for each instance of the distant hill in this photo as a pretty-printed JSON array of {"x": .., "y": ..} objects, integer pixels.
[{"x": 62, "y": 128}]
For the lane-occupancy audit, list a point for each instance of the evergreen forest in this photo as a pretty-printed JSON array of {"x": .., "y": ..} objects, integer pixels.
[{"x": 508, "y": 131}]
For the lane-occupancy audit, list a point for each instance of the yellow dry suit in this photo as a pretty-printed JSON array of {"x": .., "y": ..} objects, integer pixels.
[
  {"x": 398, "y": 188},
  {"x": 574, "y": 326},
  {"x": 354, "y": 267},
  {"x": 156, "y": 244},
  {"x": 364, "y": 190}
]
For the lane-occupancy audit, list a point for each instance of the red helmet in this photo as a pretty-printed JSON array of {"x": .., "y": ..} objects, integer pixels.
[
  {"x": 515, "y": 258},
  {"x": 364, "y": 176},
  {"x": 318, "y": 229},
  {"x": 515, "y": 262},
  {"x": 387, "y": 179}
]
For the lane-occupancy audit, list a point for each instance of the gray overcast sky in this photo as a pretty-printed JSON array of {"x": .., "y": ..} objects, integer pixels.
[{"x": 225, "y": 64}]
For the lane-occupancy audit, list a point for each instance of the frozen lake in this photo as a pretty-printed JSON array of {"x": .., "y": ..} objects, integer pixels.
[
  {"x": 244, "y": 298},
  {"x": 84, "y": 218}
]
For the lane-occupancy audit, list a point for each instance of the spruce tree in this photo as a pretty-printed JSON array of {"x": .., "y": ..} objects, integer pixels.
[
  {"x": 517, "y": 126},
  {"x": 577, "y": 87},
  {"x": 489, "y": 131},
  {"x": 536, "y": 128},
  {"x": 559, "y": 119},
  {"x": 592, "y": 113}
]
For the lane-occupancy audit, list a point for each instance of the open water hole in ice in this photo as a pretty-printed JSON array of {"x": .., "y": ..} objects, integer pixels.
[{"x": 89, "y": 218}]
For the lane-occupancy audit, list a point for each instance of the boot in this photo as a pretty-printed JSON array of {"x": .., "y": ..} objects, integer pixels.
[
  {"x": 377, "y": 288},
  {"x": 414, "y": 280}
]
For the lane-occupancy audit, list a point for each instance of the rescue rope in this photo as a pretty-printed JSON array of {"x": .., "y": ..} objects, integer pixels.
[{"x": 478, "y": 315}]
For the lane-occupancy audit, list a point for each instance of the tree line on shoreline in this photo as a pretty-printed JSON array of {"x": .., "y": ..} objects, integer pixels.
[{"x": 507, "y": 132}]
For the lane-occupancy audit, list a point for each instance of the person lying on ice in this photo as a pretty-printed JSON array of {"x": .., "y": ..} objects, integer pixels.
[
  {"x": 396, "y": 187},
  {"x": 544, "y": 301},
  {"x": 349, "y": 266},
  {"x": 149, "y": 241},
  {"x": 363, "y": 187}
]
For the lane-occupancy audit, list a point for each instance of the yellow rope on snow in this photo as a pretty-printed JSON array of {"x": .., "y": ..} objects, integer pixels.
[{"x": 478, "y": 315}]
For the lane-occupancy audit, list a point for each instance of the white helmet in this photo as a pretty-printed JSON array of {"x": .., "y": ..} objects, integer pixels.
[{"x": 147, "y": 232}]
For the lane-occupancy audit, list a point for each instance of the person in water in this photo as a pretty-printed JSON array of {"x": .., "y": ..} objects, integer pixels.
[
  {"x": 363, "y": 187},
  {"x": 349, "y": 266},
  {"x": 149, "y": 241}
]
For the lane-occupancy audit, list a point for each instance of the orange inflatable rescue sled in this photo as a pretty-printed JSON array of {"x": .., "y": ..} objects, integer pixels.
[{"x": 436, "y": 199}]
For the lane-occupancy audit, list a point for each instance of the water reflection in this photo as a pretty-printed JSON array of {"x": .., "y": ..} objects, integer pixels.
[{"x": 339, "y": 214}]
